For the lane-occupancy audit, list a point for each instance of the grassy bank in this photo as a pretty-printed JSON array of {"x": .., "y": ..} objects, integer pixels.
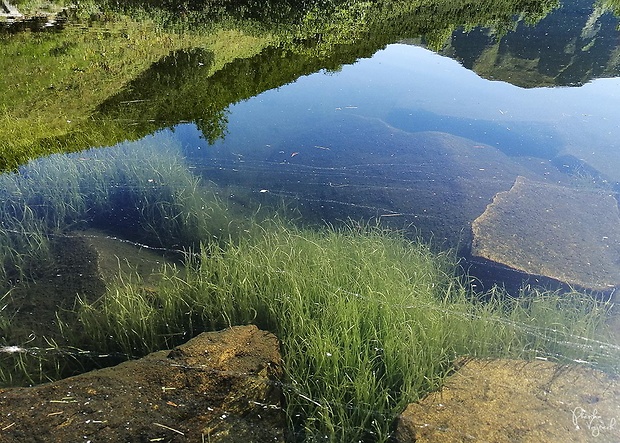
[{"x": 368, "y": 320}]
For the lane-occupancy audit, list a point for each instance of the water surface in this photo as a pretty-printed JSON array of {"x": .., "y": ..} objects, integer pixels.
[{"x": 422, "y": 123}]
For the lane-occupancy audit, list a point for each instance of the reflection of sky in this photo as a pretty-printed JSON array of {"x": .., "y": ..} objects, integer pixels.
[
  {"x": 410, "y": 76},
  {"x": 419, "y": 84}
]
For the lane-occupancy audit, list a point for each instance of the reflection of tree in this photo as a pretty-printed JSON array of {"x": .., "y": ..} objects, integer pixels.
[
  {"x": 309, "y": 35},
  {"x": 175, "y": 89},
  {"x": 196, "y": 12},
  {"x": 335, "y": 15},
  {"x": 573, "y": 45},
  {"x": 180, "y": 88},
  {"x": 436, "y": 21}
]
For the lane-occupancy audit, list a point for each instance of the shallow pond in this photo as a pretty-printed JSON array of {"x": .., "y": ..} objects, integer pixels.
[
  {"x": 491, "y": 137},
  {"x": 415, "y": 139}
]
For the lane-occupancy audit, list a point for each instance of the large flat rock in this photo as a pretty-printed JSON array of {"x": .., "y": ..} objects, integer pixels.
[
  {"x": 507, "y": 401},
  {"x": 218, "y": 387},
  {"x": 541, "y": 229}
]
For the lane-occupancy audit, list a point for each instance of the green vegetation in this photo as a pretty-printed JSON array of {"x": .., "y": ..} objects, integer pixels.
[
  {"x": 368, "y": 320},
  {"x": 146, "y": 194},
  {"x": 57, "y": 80},
  {"x": 146, "y": 189},
  {"x": 611, "y": 5},
  {"x": 81, "y": 86}
]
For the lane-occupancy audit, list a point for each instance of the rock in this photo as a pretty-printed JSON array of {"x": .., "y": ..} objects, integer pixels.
[
  {"x": 218, "y": 387},
  {"x": 517, "y": 401},
  {"x": 565, "y": 234},
  {"x": 118, "y": 256}
]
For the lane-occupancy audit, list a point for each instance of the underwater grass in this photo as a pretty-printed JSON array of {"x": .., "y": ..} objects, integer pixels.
[
  {"x": 24, "y": 247},
  {"x": 152, "y": 192},
  {"x": 145, "y": 192},
  {"x": 139, "y": 187},
  {"x": 368, "y": 321}
]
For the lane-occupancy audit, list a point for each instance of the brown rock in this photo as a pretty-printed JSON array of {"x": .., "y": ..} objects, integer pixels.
[
  {"x": 566, "y": 234},
  {"x": 219, "y": 387},
  {"x": 517, "y": 401}
]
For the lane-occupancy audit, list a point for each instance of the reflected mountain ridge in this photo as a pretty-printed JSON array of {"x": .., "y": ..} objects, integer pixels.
[
  {"x": 503, "y": 44},
  {"x": 571, "y": 46}
]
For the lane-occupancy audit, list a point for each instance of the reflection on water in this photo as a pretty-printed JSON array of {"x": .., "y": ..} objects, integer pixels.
[
  {"x": 569, "y": 47},
  {"x": 340, "y": 130}
]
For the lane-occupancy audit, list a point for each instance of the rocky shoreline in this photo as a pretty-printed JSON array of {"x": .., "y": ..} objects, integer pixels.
[
  {"x": 218, "y": 387},
  {"x": 226, "y": 387}
]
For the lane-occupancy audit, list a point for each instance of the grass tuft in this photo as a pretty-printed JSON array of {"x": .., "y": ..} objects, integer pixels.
[{"x": 368, "y": 321}]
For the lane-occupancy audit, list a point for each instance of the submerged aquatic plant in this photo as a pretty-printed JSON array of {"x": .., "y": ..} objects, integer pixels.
[
  {"x": 368, "y": 320},
  {"x": 151, "y": 193},
  {"x": 24, "y": 246},
  {"x": 145, "y": 192}
]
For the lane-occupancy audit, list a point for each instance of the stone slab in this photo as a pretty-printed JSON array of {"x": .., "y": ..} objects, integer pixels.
[
  {"x": 507, "y": 401},
  {"x": 571, "y": 235}
]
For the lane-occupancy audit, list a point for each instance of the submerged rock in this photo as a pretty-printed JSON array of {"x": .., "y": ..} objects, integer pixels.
[
  {"x": 218, "y": 387},
  {"x": 356, "y": 167},
  {"x": 565, "y": 234},
  {"x": 514, "y": 400},
  {"x": 81, "y": 264}
]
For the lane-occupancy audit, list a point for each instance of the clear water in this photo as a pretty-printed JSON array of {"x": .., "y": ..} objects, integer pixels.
[
  {"x": 373, "y": 140},
  {"x": 421, "y": 141}
]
